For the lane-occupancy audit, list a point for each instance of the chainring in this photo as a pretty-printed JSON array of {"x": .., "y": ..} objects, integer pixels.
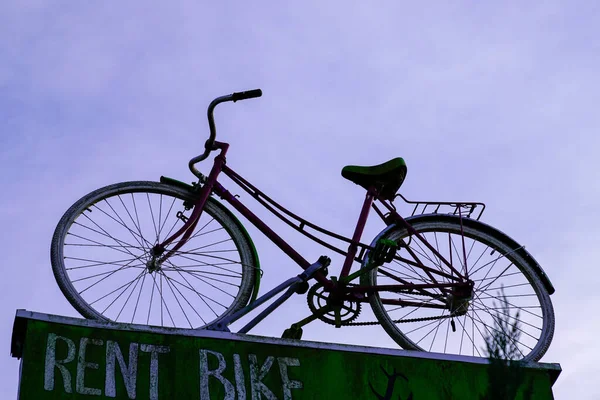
[{"x": 341, "y": 313}]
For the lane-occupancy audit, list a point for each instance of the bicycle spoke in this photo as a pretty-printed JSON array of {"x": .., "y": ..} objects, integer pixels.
[
  {"x": 201, "y": 232},
  {"x": 161, "y": 299},
  {"x": 150, "y": 303},
  {"x": 152, "y": 216},
  {"x": 479, "y": 258},
  {"x": 122, "y": 292},
  {"x": 197, "y": 271},
  {"x": 424, "y": 253},
  {"x": 122, "y": 244},
  {"x": 107, "y": 276},
  {"x": 136, "y": 235},
  {"x": 470, "y": 337},
  {"x": 137, "y": 302},
  {"x": 202, "y": 297},
  {"x": 203, "y": 281},
  {"x": 414, "y": 310},
  {"x": 493, "y": 262},
  {"x": 418, "y": 278},
  {"x": 505, "y": 334},
  {"x": 228, "y": 261},
  {"x": 498, "y": 311},
  {"x": 509, "y": 286},
  {"x": 197, "y": 275},
  {"x": 494, "y": 280},
  {"x": 518, "y": 307},
  {"x": 162, "y": 303},
  {"x": 198, "y": 233},
  {"x": 137, "y": 217},
  {"x": 166, "y": 216},
  {"x": 176, "y": 221},
  {"x": 128, "y": 297},
  {"x": 96, "y": 262},
  {"x": 159, "y": 217},
  {"x": 98, "y": 244},
  {"x": 459, "y": 256},
  {"x": 505, "y": 275},
  {"x": 115, "y": 290},
  {"x": 411, "y": 267},
  {"x": 446, "y": 337},
  {"x": 429, "y": 323},
  {"x": 104, "y": 273},
  {"x": 436, "y": 329},
  {"x": 184, "y": 298},
  {"x": 178, "y": 302}
]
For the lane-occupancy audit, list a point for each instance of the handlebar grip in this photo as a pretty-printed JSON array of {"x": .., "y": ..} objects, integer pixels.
[{"x": 248, "y": 94}]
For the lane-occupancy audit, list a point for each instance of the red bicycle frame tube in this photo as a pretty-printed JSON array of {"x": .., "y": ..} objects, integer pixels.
[
  {"x": 219, "y": 190},
  {"x": 211, "y": 185}
]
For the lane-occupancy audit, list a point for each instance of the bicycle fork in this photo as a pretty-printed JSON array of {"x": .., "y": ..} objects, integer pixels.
[{"x": 157, "y": 252}]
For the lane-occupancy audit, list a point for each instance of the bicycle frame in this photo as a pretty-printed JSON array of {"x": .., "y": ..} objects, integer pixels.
[
  {"x": 357, "y": 293},
  {"x": 170, "y": 254}
]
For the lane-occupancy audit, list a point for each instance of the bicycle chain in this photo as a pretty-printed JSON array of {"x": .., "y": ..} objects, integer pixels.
[{"x": 398, "y": 321}]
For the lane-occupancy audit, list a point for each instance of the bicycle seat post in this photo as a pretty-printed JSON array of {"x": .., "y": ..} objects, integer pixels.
[{"x": 360, "y": 226}]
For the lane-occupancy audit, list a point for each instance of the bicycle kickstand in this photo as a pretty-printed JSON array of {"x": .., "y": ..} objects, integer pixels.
[
  {"x": 297, "y": 284},
  {"x": 295, "y": 330}
]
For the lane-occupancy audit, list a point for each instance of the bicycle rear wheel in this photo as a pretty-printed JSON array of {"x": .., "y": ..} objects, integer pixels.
[
  {"x": 100, "y": 257},
  {"x": 507, "y": 292}
]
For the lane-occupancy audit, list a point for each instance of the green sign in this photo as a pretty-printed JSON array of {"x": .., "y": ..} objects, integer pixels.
[{"x": 67, "y": 358}]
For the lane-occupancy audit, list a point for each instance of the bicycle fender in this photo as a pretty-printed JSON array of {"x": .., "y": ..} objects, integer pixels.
[
  {"x": 487, "y": 229},
  {"x": 258, "y": 275},
  {"x": 175, "y": 182}
]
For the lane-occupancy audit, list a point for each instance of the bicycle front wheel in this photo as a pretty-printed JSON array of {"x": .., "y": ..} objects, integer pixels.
[
  {"x": 509, "y": 306},
  {"x": 100, "y": 256}
]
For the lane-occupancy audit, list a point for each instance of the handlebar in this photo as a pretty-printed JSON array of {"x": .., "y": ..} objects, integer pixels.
[
  {"x": 248, "y": 94},
  {"x": 209, "y": 144}
]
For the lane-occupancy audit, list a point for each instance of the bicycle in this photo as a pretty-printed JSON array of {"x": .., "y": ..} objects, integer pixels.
[{"x": 435, "y": 280}]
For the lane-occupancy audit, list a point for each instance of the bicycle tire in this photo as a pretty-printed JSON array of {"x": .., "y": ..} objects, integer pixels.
[
  {"x": 108, "y": 234},
  {"x": 516, "y": 294}
]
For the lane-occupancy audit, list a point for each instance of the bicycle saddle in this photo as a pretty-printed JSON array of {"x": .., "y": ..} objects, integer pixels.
[{"x": 386, "y": 177}]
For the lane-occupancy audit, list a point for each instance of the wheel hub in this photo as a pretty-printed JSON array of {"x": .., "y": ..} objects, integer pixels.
[
  {"x": 458, "y": 306},
  {"x": 458, "y": 302},
  {"x": 153, "y": 264}
]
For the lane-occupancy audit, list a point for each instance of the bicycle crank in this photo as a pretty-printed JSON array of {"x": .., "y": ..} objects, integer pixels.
[{"x": 330, "y": 309}]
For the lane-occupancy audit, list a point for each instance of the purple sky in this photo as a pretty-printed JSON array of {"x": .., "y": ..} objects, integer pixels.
[{"x": 488, "y": 102}]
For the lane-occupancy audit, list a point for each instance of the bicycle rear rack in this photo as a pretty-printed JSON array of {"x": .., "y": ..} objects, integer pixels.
[{"x": 464, "y": 209}]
